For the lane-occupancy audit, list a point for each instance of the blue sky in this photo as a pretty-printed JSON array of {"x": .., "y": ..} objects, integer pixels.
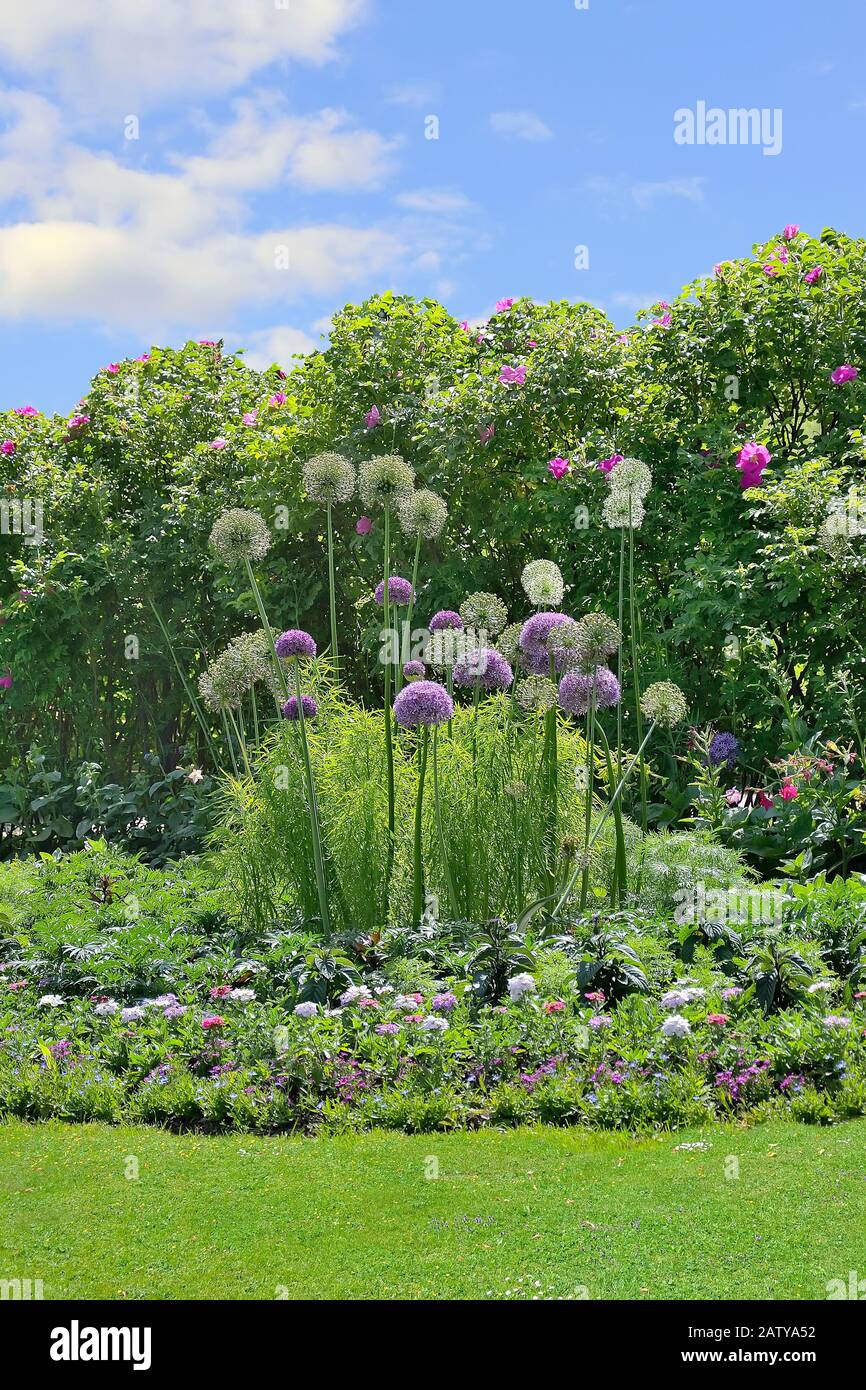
[{"x": 278, "y": 131}]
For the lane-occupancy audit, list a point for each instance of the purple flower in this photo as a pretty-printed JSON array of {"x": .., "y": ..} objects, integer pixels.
[
  {"x": 723, "y": 749},
  {"x": 559, "y": 467},
  {"x": 290, "y": 708},
  {"x": 512, "y": 376},
  {"x": 372, "y": 418},
  {"x": 295, "y": 642},
  {"x": 536, "y": 631},
  {"x": 387, "y": 1028},
  {"x": 503, "y": 304},
  {"x": 363, "y": 526},
  {"x": 423, "y": 702},
  {"x": 844, "y": 373},
  {"x": 814, "y": 275},
  {"x": 486, "y": 666},
  {"x": 414, "y": 670},
  {"x": 399, "y": 590},
  {"x": 8, "y": 446},
  {"x": 444, "y": 1003},
  {"x": 577, "y": 688},
  {"x": 445, "y": 619}
]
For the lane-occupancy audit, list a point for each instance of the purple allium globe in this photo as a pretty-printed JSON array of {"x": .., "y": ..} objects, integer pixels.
[
  {"x": 574, "y": 693},
  {"x": 486, "y": 666},
  {"x": 414, "y": 671},
  {"x": 535, "y": 633},
  {"x": 295, "y": 643},
  {"x": 290, "y": 708},
  {"x": 577, "y": 688},
  {"x": 446, "y": 619},
  {"x": 399, "y": 590},
  {"x": 423, "y": 702},
  {"x": 723, "y": 748}
]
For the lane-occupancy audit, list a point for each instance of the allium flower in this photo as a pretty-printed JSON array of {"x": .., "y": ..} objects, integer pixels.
[
  {"x": 307, "y": 1009},
  {"x": 631, "y": 476},
  {"x": 290, "y": 708},
  {"x": 434, "y": 1024},
  {"x": 844, "y": 373},
  {"x": 295, "y": 643},
  {"x": 597, "y": 637},
  {"x": 536, "y": 692},
  {"x": 483, "y": 666},
  {"x": 423, "y": 702},
  {"x": 423, "y": 514},
  {"x": 508, "y": 642},
  {"x": 536, "y": 631},
  {"x": 399, "y": 591},
  {"x": 558, "y": 467},
  {"x": 484, "y": 611},
  {"x": 606, "y": 465},
  {"x": 240, "y": 535},
  {"x": 623, "y": 511},
  {"x": 329, "y": 478},
  {"x": 724, "y": 748},
  {"x": 578, "y": 688},
  {"x": 445, "y": 647},
  {"x": 519, "y": 985},
  {"x": 814, "y": 275},
  {"x": 363, "y": 526},
  {"x": 51, "y": 1001},
  {"x": 676, "y": 1026},
  {"x": 414, "y": 671},
  {"x": 386, "y": 481},
  {"x": 664, "y": 703},
  {"x": 446, "y": 618},
  {"x": 542, "y": 583}
]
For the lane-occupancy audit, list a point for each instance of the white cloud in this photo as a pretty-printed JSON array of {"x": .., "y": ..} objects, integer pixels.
[
  {"x": 520, "y": 125},
  {"x": 692, "y": 189},
  {"x": 625, "y": 299},
  {"x": 414, "y": 94},
  {"x": 142, "y": 49},
  {"x": 434, "y": 200},
  {"x": 278, "y": 344},
  {"x": 622, "y": 194}
]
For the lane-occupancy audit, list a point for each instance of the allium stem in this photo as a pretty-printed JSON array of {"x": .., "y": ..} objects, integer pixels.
[
  {"x": 619, "y": 650},
  {"x": 389, "y": 736},
  {"x": 409, "y": 613},
  {"x": 332, "y": 595},
  {"x": 452, "y": 896},
  {"x": 632, "y": 608},
  {"x": 587, "y": 814},
  {"x": 318, "y": 862},
  {"x": 418, "y": 903},
  {"x": 278, "y": 666},
  {"x": 551, "y": 759},
  {"x": 190, "y": 693},
  {"x": 241, "y": 741}
]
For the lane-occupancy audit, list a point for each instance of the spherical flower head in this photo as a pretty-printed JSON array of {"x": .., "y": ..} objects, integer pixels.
[
  {"x": 329, "y": 478},
  {"x": 676, "y": 1026},
  {"x": 399, "y": 591},
  {"x": 597, "y": 638},
  {"x": 508, "y": 642},
  {"x": 519, "y": 985},
  {"x": 485, "y": 611},
  {"x": 386, "y": 481},
  {"x": 542, "y": 583},
  {"x": 446, "y": 647},
  {"x": 536, "y": 693},
  {"x": 664, "y": 703},
  {"x": 414, "y": 671},
  {"x": 578, "y": 690},
  {"x": 295, "y": 643},
  {"x": 306, "y": 1010},
  {"x": 446, "y": 619},
  {"x": 723, "y": 748},
  {"x": 631, "y": 476},
  {"x": 573, "y": 693},
  {"x": 240, "y": 535},
  {"x": 844, "y": 373},
  {"x": 485, "y": 667},
  {"x": 443, "y": 1003},
  {"x": 623, "y": 511},
  {"x": 536, "y": 631},
  {"x": 308, "y": 704},
  {"x": 604, "y": 688},
  {"x": 423, "y": 702},
  {"x": 422, "y": 514},
  {"x": 51, "y": 1001}
]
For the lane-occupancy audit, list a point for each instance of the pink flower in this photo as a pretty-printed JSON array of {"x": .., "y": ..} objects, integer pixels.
[
  {"x": 278, "y": 398},
  {"x": 719, "y": 1019},
  {"x": 596, "y": 997},
  {"x": 752, "y": 459},
  {"x": 218, "y": 443},
  {"x": 16, "y": 985},
  {"x": 720, "y": 268},
  {"x": 789, "y": 792},
  {"x": 250, "y": 417},
  {"x": 220, "y": 991},
  {"x": 512, "y": 376},
  {"x": 781, "y": 254},
  {"x": 770, "y": 269},
  {"x": 465, "y": 325},
  {"x": 6, "y": 681},
  {"x": 145, "y": 357},
  {"x": 554, "y": 1006},
  {"x": 206, "y": 342},
  {"x": 27, "y": 411},
  {"x": 609, "y": 464},
  {"x": 8, "y": 446},
  {"x": 77, "y": 422},
  {"x": 844, "y": 373},
  {"x": 765, "y": 801},
  {"x": 113, "y": 368},
  {"x": 486, "y": 433},
  {"x": 732, "y": 796},
  {"x": 814, "y": 275},
  {"x": 213, "y": 1021},
  {"x": 503, "y": 305},
  {"x": 663, "y": 322},
  {"x": 532, "y": 343},
  {"x": 559, "y": 467},
  {"x": 363, "y": 526},
  {"x": 372, "y": 418},
  {"x": 791, "y": 231}
]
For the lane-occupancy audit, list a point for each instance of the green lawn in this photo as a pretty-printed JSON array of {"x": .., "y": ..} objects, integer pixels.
[{"x": 240, "y": 1217}]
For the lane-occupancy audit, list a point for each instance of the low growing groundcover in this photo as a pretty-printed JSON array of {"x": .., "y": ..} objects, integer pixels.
[{"x": 776, "y": 1211}]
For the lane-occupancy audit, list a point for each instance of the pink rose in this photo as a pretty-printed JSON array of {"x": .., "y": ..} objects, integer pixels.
[
  {"x": 218, "y": 443},
  {"x": 663, "y": 322},
  {"x": 503, "y": 305},
  {"x": 609, "y": 464},
  {"x": 559, "y": 467},
  {"x": 6, "y": 681},
  {"x": 814, "y": 275},
  {"x": 113, "y": 368},
  {"x": 844, "y": 373},
  {"x": 250, "y": 417},
  {"x": 512, "y": 376},
  {"x": 278, "y": 398},
  {"x": 27, "y": 411},
  {"x": 8, "y": 446},
  {"x": 363, "y": 526},
  {"x": 791, "y": 231},
  {"x": 372, "y": 418}
]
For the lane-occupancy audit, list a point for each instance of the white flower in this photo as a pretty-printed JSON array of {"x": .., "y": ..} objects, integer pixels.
[
  {"x": 306, "y": 1010},
  {"x": 133, "y": 1015},
  {"x": 693, "y": 994},
  {"x": 434, "y": 1024},
  {"x": 243, "y": 996},
  {"x": 352, "y": 993},
  {"x": 819, "y": 986},
  {"x": 407, "y": 1005},
  {"x": 384, "y": 989},
  {"x": 676, "y": 1026},
  {"x": 161, "y": 1001},
  {"x": 519, "y": 985},
  {"x": 105, "y": 1010},
  {"x": 674, "y": 999},
  {"x": 542, "y": 583},
  {"x": 51, "y": 1001},
  {"x": 248, "y": 967},
  {"x": 195, "y": 776}
]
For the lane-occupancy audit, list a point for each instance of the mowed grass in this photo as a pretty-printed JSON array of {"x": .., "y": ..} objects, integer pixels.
[{"x": 465, "y": 1216}]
